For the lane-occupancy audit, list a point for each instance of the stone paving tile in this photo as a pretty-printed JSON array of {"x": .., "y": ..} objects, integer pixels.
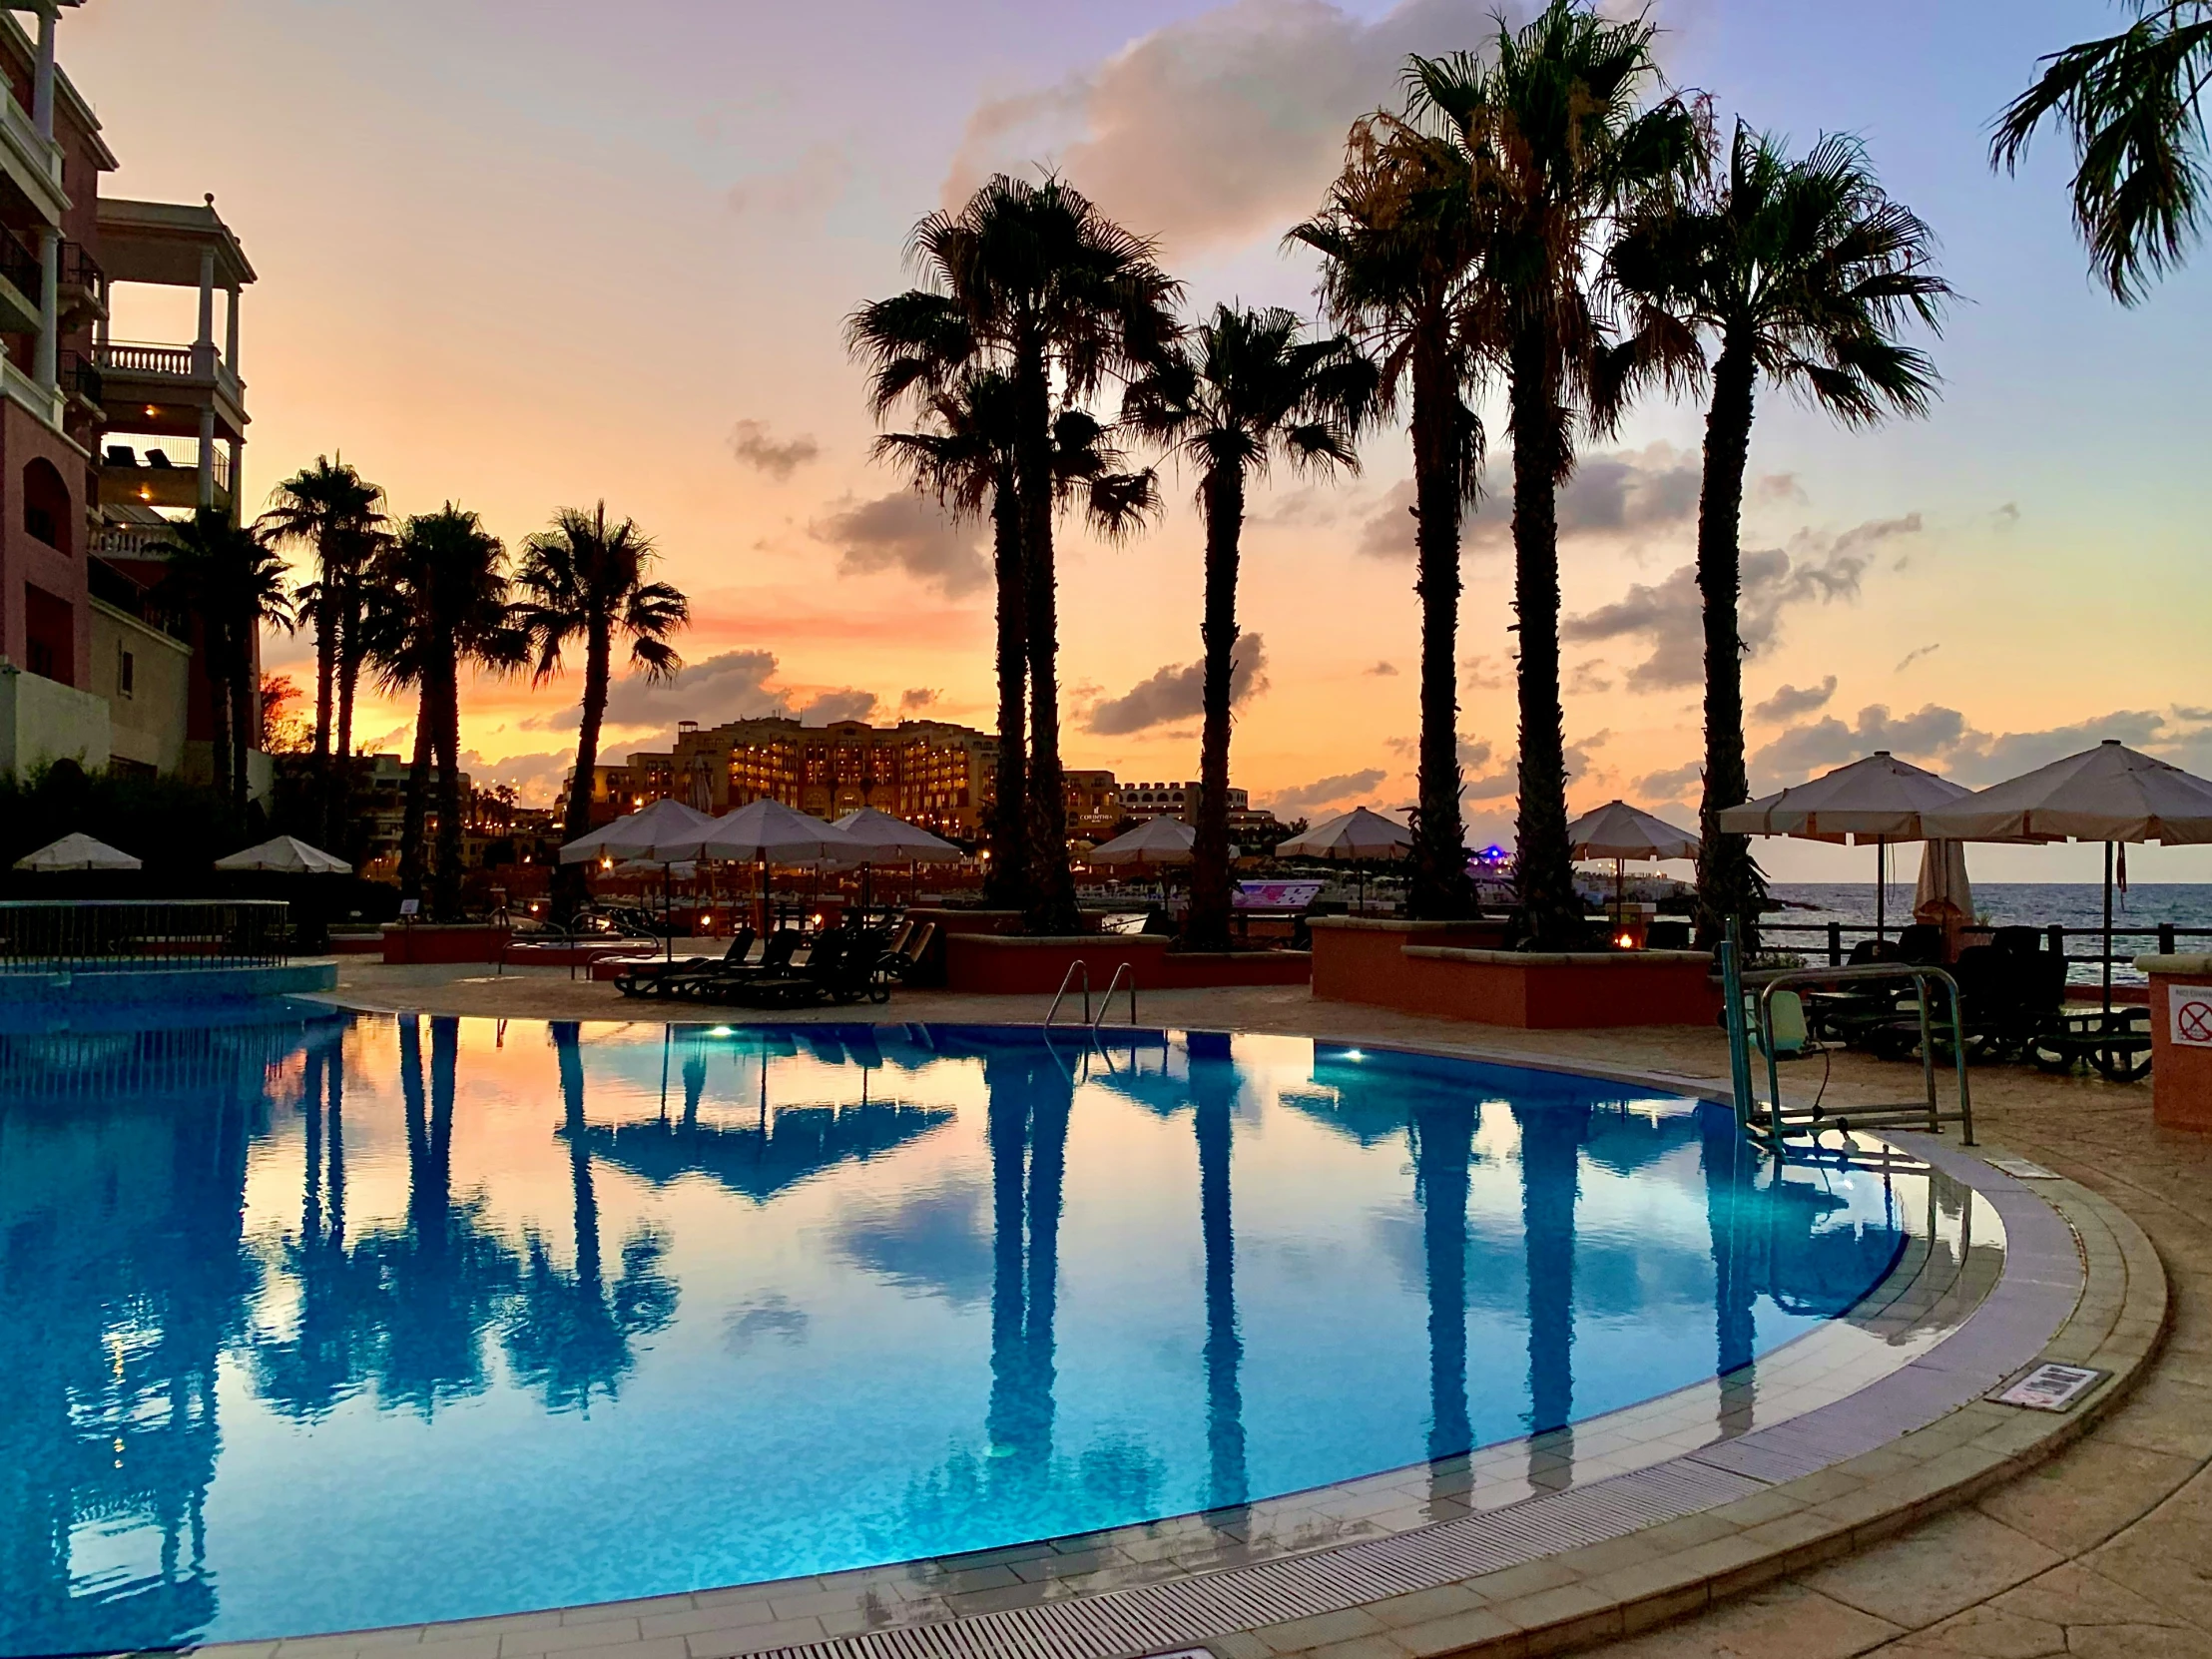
[
  {"x": 1939, "y": 1569},
  {"x": 1788, "y": 1620},
  {"x": 2085, "y": 1495}
]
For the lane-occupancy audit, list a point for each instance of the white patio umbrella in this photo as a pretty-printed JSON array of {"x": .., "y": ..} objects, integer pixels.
[
  {"x": 1356, "y": 835},
  {"x": 636, "y": 835},
  {"x": 892, "y": 841},
  {"x": 1619, "y": 831},
  {"x": 1159, "y": 841},
  {"x": 1878, "y": 799},
  {"x": 77, "y": 851},
  {"x": 289, "y": 854},
  {"x": 765, "y": 833},
  {"x": 2109, "y": 794}
]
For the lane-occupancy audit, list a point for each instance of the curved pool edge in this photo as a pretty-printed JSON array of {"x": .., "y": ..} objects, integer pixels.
[{"x": 1588, "y": 1551}]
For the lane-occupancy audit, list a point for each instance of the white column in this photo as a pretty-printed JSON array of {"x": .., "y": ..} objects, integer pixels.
[
  {"x": 202, "y": 346},
  {"x": 230, "y": 350},
  {"x": 44, "y": 362},
  {"x": 206, "y": 457},
  {"x": 238, "y": 483},
  {"x": 42, "y": 83}
]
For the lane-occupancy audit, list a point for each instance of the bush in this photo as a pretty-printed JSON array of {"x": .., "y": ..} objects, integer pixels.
[{"x": 176, "y": 828}]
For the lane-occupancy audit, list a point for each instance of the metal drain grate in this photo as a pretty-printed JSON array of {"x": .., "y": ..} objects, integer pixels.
[{"x": 1152, "y": 1617}]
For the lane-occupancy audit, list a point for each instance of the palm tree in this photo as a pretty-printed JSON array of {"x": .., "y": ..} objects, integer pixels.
[
  {"x": 965, "y": 458},
  {"x": 1034, "y": 282},
  {"x": 228, "y": 575},
  {"x": 1246, "y": 387},
  {"x": 330, "y": 509},
  {"x": 438, "y": 603},
  {"x": 585, "y": 579},
  {"x": 1401, "y": 252},
  {"x": 1557, "y": 143},
  {"x": 1801, "y": 273},
  {"x": 2133, "y": 105}
]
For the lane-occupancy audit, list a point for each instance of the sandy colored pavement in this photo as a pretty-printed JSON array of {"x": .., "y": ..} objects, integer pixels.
[{"x": 2106, "y": 1550}]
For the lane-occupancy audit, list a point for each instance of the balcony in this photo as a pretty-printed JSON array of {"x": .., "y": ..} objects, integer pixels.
[
  {"x": 20, "y": 280},
  {"x": 161, "y": 389},
  {"x": 133, "y": 599},
  {"x": 84, "y": 286},
  {"x": 158, "y": 478},
  {"x": 31, "y": 162}
]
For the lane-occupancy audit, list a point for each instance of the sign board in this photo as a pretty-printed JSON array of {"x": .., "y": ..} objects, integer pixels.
[
  {"x": 2023, "y": 1169},
  {"x": 2051, "y": 1387},
  {"x": 1276, "y": 895},
  {"x": 411, "y": 906},
  {"x": 2190, "y": 1008}
]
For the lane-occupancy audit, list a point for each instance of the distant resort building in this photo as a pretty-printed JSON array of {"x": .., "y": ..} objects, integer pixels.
[{"x": 103, "y": 441}]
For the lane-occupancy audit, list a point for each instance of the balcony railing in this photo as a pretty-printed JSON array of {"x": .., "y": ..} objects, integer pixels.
[
  {"x": 130, "y": 541},
  {"x": 129, "y": 358},
  {"x": 20, "y": 265},
  {"x": 44, "y": 153},
  {"x": 80, "y": 935},
  {"x": 110, "y": 587},
  {"x": 78, "y": 375},
  {"x": 79, "y": 270}
]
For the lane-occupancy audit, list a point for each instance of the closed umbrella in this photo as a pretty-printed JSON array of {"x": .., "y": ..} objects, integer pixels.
[
  {"x": 1619, "y": 831},
  {"x": 1942, "y": 896},
  {"x": 77, "y": 851},
  {"x": 2111, "y": 794},
  {"x": 893, "y": 841},
  {"x": 1880, "y": 798},
  {"x": 289, "y": 854}
]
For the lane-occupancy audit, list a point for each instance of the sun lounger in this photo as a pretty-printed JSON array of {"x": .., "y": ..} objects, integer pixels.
[
  {"x": 703, "y": 982},
  {"x": 845, "y": 966},
  {"x": 654, "y": 978}
]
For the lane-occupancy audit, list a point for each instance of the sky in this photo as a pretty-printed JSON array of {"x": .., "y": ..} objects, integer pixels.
[{"x": 528, "y": 254}]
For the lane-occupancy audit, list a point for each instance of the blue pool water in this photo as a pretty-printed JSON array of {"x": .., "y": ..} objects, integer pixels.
[{"x": 336, "y": 1320}]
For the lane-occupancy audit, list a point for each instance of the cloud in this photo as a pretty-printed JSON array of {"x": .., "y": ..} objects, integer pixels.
[
  {"x": 1176, "y": 692},
  {"x": 753, "y": 445},
  {"x": 1589, "y": 677},
  {"x": 1474, "y": 753},
  {"x": 1220, "y": 128},
  {"x": 1388, "y": 532},
  {"x": 903, "y": 531},
  {"x": 1668, "y": 615},
  {"x": 2006, "y": 516},
  {"x": 1915, "y": 655},
  {"x": 1322, "y": 790},
  {"x": 918, "y": 697},
  {"x": 1780, "y": 488},
  {"x": 1482, "y": 672},
  {"x": 828, "y": 706},
  {"x": 1789, "y": 701},
  {"x": 731, "y": 686},
  {"x": 1674, "y": 783},
  {"x": 1384, "y": 671},
  {"x": 1630, "y": 493},
  {"x": 1944, "y": 740}
]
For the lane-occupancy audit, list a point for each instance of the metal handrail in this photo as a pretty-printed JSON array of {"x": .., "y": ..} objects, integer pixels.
[
  {"x": 1926, "y": 1113},
  {"x": 1079, "y": 965},
  {"x": 50, "y": 935},
  {"x": 1106, "y": 1003}
]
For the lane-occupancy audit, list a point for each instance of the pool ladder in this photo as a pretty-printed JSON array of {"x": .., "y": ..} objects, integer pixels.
[{"x": 1081, "y": 966}]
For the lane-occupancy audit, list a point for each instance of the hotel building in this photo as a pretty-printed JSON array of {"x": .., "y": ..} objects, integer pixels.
[{"x": 103, "y": 440}]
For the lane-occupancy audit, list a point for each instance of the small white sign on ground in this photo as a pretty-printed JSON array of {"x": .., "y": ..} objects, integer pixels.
[
  {"x": 2051, "y": 1387},
  {"x": 2190, "y": 1009},
  {"x": 2025, "y": 1169}
]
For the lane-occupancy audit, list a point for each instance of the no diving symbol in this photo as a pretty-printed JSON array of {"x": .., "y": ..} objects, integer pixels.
[{"x": 2193, "y": 1021}]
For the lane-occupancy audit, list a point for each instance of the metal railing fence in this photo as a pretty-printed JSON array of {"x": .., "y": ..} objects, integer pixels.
[
  {"x": 39, "y": 935},
  {"x": 1836, "y": 938}
]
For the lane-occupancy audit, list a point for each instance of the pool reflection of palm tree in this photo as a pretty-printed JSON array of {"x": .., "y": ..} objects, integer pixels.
[
  {"x": 1442, "y": 1133},
  {"x": 1213, "y": 1096},
  {"x": 1552, "y": 1138},
  {"x": 1728, "y": 1162},
  {"x": 1027, "y": 1125},
  {"x": 572, "y": 1333},
  {"x": 445, "y": 1278}
]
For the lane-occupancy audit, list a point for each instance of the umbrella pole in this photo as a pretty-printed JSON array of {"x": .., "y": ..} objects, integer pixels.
[
  {"x": 1620, "y": 893},
  {"x": 765, "y": 928},
  {"x": 2108, "y": 927},
  {"x": 668, "y": 933},
  {"x": 1881, "y": 887}
]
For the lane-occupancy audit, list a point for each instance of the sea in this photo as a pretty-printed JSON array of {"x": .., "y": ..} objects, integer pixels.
[{"x": 2070, "y": 904}]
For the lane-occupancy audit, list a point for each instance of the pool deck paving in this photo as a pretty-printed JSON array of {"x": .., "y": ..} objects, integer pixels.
[{"x": 1989, "y": 1532}]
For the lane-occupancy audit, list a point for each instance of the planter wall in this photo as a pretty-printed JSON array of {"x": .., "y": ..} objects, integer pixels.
[
  {"x": 1004, "y": 967},
  {"x": 1361, "y": 958},
  {"x": 1417, "y": 967},
  {"x": 2180, "y": 1071},
  {"x": 435, "y": 942}
]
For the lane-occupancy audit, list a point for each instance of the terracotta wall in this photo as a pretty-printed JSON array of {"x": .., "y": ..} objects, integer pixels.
[
  {"x": 1360, "y": 959},
  {"x": 1420, "y": 968},
  {"x": 1009, "y": 966},
  {"x": 2180, "y": 1075}
]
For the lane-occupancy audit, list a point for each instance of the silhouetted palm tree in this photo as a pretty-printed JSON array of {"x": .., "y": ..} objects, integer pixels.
[
  {"x": 965, "y": 457},
  {"x": 1245, "y": 387},
  {"x": 1032, "y": 281},
  {"x": 439, "y": 602},
  {"x": 1402, "y": 249},
  {"x": 1801, "y": 273},
  {"x": 331, "y": 510},
  {"x": 226, "y": 575},
  {"x": 1554, "y": 131},
  {"x": 2133, "y": 104},
  {"x": 585, "y": 579}
]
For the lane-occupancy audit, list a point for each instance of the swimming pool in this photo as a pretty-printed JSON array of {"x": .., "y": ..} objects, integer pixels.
[{"x": 339, "y": 1321}]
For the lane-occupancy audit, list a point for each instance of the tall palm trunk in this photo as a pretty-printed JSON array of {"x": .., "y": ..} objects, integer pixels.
[
  {"x": 244, "y": 737},
  {"x": 339, "y": 797},
  {"x": 1551, "y": 911},
  {"x": 570, "y": 889},
  {"x": 216, "y": 663},
  {"x": 418, "y": 788},
  {"x": 1052, "y": 906},
  {"x": 447, "y": 873},
  {"x": 1441, "y": 889},
  {"x": 1225, "y": 509},
  {"x": 1006, "y": 887},
  {"x": 1725, "y": 879},
  {"x": 326, "y": 672}
]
